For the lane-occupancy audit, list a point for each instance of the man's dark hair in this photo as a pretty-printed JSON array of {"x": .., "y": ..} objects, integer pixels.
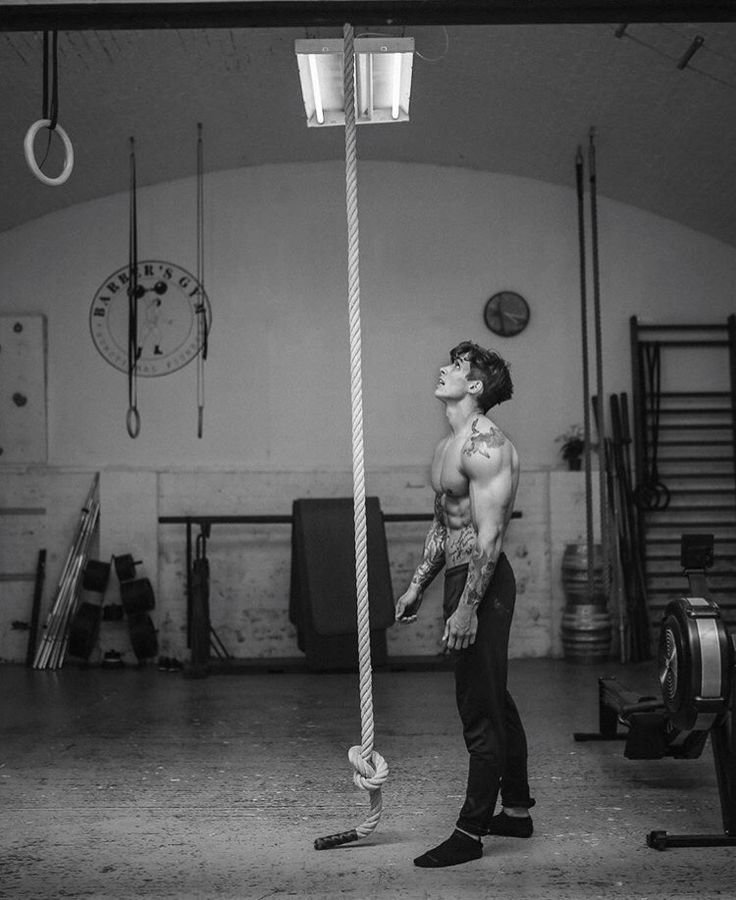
[{"x": 488, "y": 368}]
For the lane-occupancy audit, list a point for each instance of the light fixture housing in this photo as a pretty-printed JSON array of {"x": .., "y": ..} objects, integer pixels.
[{"x": 383, "y": 68}]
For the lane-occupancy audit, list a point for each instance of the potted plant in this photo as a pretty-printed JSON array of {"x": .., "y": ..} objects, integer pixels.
[{"x": 572, "y": 447}]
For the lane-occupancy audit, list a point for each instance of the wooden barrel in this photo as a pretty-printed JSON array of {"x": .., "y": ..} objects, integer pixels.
[
  {"x": 575, "y": 575},
  {"x": 586, "y": 622},
  {"x": 586, "y": 633}
]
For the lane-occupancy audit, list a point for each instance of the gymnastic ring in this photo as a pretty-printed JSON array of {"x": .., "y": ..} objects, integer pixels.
[
  {"x": 652, "y": 495},
  {"x": 645, "y": 496},
  {"x": 133, "y": 422},
  {"x": 31, "y": 158},
  {"x": 663, "y": 495}
]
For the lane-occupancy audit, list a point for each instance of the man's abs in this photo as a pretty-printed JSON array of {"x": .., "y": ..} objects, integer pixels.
[
  {"x": 460, "y": 539},
  {"x": 459, "y": 546}
]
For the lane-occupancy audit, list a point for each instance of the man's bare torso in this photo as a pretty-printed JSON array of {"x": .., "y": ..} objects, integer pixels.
[{"x": 452, "y": 487}]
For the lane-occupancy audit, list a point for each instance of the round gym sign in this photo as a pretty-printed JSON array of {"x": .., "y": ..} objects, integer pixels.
[{"x": 170, "y": 301}]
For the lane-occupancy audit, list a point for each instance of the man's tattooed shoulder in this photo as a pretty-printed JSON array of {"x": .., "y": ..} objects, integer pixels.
[{"x": 483, "y": 442}]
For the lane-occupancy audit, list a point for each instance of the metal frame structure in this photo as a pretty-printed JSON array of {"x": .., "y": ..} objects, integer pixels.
[
  {"x": 696, "y": 446},
  {"x": 100, "y": 14}
]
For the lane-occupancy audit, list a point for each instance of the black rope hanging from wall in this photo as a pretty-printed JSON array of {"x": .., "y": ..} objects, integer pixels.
[
  {"x": 202, "y": 324},
  {"x": 133, "y": 418}
]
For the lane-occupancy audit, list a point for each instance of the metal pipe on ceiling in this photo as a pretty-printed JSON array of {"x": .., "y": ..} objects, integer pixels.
[{"x": 86, "y": 15}]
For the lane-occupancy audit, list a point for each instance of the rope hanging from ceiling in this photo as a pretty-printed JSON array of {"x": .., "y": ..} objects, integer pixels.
[{"x": 370, "y": 768}]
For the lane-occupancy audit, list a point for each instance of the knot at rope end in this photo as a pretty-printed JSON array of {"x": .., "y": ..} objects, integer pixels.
[{"x": 368, "y": 775}]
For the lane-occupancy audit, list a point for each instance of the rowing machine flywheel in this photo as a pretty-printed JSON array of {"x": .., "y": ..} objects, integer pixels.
[{"x": 694, "y": 663}]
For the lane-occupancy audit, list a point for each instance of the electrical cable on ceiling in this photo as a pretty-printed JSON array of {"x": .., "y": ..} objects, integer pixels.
[
  {"x": 684, "y": 61},
  {"x": 419, "y": 55},
  {"x": 442, "y": 55},
  {"x": 697, "y": 43}
]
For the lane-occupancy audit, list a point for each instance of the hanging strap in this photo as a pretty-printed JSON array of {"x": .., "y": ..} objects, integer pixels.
[
  {"x": 50, "y": 108},
  {"x": 651, "y": 493},
  {"x": 50, "y": 105},
  {"x": 201, "y": 309},
  {"x": 133, "y": 418},
  {"x": 49, "y": 116}
]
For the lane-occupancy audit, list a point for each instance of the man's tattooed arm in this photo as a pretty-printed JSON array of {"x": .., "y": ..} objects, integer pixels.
[
  {"x": 480, "y": 571},
  {"x": 483, "y": 444},
  {"x": 488, "y": 463},
  {"x": 433, "y": 556}
]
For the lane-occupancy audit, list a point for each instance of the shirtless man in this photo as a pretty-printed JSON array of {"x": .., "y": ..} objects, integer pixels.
[{"x": 475, "y": 474}]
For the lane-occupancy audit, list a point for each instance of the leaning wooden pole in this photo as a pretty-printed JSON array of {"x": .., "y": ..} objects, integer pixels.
[
  {"x": 598, "y": 330},
  {"x": 36, "y": 608},
  {"x": 586, "y": 372},
  {"x": 52, "y": 649}
]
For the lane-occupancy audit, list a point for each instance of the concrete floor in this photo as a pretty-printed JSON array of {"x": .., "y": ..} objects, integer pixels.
[{"x": 143, "y": 784}]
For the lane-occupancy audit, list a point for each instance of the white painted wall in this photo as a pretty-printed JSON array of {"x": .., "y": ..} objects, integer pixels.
[{"x": 435, "y": 244}]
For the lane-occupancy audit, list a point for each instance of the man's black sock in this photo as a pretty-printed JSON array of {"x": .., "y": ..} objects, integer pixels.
[
  {"x": 511, "y": 826},
  {"x": 458, "y": 848}
]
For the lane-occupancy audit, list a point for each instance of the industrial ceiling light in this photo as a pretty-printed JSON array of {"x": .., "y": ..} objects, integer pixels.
[{"x": 382, "y": 80}]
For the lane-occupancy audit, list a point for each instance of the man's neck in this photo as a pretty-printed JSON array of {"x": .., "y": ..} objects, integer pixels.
[{"x": 459, "y": 413}]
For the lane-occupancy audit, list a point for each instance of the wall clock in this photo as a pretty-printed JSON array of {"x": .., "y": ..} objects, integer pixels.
[
  {"x": 506, "y": 313},
  {"x": 170, "y": 299}
]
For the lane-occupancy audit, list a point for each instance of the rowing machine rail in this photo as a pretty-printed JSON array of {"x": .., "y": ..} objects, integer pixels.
[{"x": 696, "y": 675}]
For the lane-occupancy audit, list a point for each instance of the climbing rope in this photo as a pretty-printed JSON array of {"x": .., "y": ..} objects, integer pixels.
[{"x": 371, "y": 769}]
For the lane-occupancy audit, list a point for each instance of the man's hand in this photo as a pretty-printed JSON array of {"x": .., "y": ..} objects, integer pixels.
[
  {"x": 461, "y": 628},
  {"x": 407, "y": 606}
]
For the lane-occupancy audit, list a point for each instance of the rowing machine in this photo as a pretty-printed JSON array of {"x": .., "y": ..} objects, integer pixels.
[{"x": 696, "y": 660}]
